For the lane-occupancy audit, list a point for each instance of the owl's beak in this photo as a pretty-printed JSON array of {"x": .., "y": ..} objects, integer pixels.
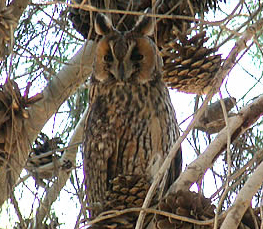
[{"x": 121, "y": 71}]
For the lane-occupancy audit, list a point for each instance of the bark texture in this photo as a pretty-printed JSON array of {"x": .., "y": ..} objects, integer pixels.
[{"x": 56, "y": 92}]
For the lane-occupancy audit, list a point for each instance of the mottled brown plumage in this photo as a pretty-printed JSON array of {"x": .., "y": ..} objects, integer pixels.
[{"x": 131, "y": 124}]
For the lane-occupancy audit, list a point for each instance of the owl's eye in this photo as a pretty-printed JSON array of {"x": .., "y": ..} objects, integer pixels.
[
  {"x": 135, "y": 55},
  {"x": 108, "y": 57}
]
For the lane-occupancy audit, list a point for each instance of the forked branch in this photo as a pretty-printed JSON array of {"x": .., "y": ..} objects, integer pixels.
[{"x": 187, "y": 179}]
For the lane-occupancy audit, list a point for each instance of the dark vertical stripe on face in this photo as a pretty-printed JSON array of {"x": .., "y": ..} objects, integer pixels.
[{"x": 121, "y": 72}]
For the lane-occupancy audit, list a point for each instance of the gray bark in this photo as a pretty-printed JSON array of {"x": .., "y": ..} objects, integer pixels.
[{"x": 63, "y": 85}]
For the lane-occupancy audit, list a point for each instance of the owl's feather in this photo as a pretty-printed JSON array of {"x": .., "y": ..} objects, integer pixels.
[{"x": 131, "y": 124}]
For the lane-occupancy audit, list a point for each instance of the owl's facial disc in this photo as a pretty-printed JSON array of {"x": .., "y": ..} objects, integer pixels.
[
  {"x": 126, "y": 56},
  {"x": 120, "y": 60},
  {"x": 124, "y": 59}
]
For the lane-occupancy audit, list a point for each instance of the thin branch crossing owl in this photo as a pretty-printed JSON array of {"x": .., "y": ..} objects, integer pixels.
[{"x": 131, "y": 124}]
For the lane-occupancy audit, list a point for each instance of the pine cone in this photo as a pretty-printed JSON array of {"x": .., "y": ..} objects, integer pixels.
[
  {"x": 184, "y": 203},
  {"x": 125, "y": 192},
  {"x": 13, "y": 112},
  {"x": 182, "y": 8},
  {"x": 81, "y": 18},
  {"x": 188, "y": 65}
]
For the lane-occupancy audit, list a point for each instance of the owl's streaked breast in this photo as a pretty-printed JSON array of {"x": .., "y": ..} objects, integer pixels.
[{"x": 131, "y": 127}]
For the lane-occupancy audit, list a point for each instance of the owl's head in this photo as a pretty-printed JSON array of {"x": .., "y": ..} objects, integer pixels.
[{"x": 126, "y": 56}]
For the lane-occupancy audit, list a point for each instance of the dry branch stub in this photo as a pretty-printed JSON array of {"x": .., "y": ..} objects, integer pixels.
[
  {"x": 188, "y": 65},
  {"x": 212, "y": 121},
  {"x": 81, "y": 19},
  {"x": 126, "y": 191},
  {"x": 13, "y": 112},
  {"x": 7, "y": 24}
]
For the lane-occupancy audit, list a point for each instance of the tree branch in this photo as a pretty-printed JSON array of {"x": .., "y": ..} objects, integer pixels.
[
  {"x": 237, "y": 125},
  {"x": 220, "y": 76},
  {"x": 63, "y": 175},
  {"x": 243, "y": 199},
  {"x": 63, "y": 85}
]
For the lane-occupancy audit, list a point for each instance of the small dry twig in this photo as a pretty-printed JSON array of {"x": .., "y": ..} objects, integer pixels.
[{"x": 220, "y": 76}]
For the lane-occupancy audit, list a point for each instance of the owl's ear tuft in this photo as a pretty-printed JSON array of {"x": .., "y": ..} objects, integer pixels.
[
  {"x": 145, "y": 25},
  {"x": 103, "y": 25}
]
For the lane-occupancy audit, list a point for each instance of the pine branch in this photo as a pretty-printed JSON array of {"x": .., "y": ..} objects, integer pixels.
[
  {"x": 56, "y": 92},
  {"x": 185, "y": 180},
  {"x": 237, "y": 125},
  {"x": 243, "y": 199},
  {"x": 63, "y": 175}
]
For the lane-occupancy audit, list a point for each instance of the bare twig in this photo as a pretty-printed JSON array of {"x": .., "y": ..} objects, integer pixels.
[
  {"x": 63, "y": 175},
  {"x": 184, "y": 182},
  {"x": 237, "y": 125},
  {"x": 252, "y": 213},
  {"x": 257, "y": 158},
  {"x": 20, "y": 217},
  {"x": 115, "y": 213},
  {"x": 88, "y": 7},
  {"x": 228, "y": 162},
  {"x": 57, "y": 91}
]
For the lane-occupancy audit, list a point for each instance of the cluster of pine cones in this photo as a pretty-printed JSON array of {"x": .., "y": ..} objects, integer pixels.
[
  {"x": 81, "y": 18},
  {"x": 131, "y": 191}
]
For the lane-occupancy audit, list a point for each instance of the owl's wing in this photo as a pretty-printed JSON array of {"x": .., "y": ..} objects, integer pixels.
[
  {"x": 176, "y": 165},
  {"x": 98, "y": 146}
]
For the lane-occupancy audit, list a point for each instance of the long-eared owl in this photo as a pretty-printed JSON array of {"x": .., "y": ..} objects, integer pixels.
[{"x": 131, "y": 124}]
